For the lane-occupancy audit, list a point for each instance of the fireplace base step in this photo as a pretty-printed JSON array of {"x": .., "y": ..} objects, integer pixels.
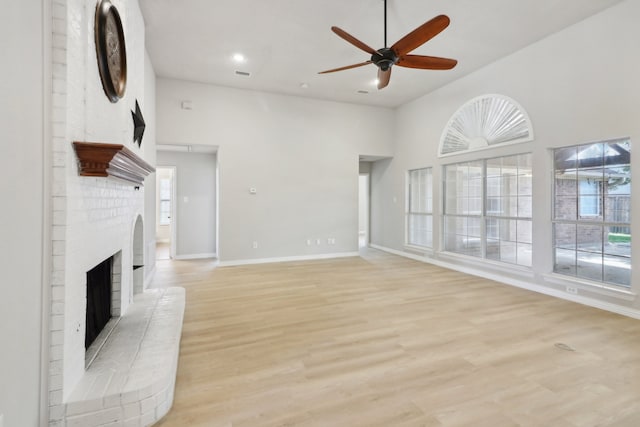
[{"x": 132, "y": 380}]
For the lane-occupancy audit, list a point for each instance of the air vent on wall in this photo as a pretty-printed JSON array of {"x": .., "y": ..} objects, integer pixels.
[{"x": 243, "y": 73}]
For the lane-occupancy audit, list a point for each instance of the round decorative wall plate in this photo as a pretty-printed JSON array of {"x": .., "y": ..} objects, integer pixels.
[{"x": 111, "y": 51}]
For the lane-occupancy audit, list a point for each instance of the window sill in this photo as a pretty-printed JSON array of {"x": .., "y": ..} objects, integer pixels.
[{"x": 589, "y": 286}]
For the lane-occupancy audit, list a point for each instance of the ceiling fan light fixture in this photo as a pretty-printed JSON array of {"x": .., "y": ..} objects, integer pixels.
[{"x": 398, "y": 54}]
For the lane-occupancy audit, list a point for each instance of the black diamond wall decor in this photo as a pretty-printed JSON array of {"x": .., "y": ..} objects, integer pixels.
[{"x": 138, "y": 125}]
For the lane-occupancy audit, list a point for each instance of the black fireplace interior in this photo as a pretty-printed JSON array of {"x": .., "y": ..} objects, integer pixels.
[{"x": 98, "y": 300}]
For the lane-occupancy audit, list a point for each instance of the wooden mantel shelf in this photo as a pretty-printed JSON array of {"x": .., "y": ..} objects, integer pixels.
[{"x": 115, "y": 160}]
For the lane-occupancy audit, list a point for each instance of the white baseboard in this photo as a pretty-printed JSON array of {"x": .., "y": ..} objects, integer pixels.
[
  {"x": 196, "y": 256},
  {"x": 534, "y": 287},
  {"x": 287, "y": 259}
]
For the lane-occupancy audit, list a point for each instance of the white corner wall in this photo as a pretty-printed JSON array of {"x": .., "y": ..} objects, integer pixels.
[
  {"x": 579, "y": 85},
  {"x": 301, "y": 156},
  {"x": 149, "y": 149},
  {"x": 22, "y": 217}
]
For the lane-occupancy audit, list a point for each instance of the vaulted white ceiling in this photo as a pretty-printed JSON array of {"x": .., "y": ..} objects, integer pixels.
[{"x": 287, "y": 42}]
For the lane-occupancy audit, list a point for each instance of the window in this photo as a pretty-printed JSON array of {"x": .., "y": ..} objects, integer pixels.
[
  {"x": 165, "y": 201},
  {"x": 420, "y": 208},
  {"x": 592, "y": 211},
  {"x": 487, "y": 210}
]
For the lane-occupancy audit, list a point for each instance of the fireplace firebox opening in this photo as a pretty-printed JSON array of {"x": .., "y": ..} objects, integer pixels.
[{"x": 99, "y": 292}]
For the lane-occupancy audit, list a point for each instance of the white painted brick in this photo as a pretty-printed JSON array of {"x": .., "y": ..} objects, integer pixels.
[
  {"x": 130, "y": 397},
  {"x": 59, "y": 55},
  {"x": 55, "y": 382},
  {"x": 57, "y": 323},
  {"x": 148, "y": 418},
  {"x": 56, "y": 412},
  {"x": 58, "y": 262},
  {"x": 148, "y": 405},
  {"x": 55, "y": 397},
  {"x": 111, "y": 401},
  {"x": 132, "y": 422},
  {"x": 84, "y": 407},
  {"x": 57, "y": 293},
  {"x": 58, "y": 11},
  {"x": 57, "y": 308},
  {"x": 55, "y": 354},
  {"x": 58, "y": 233},
  {"x": 59, "y": 175},
  {"x": 55, "y": 367},
  {"x": 57, "y": 338},
  {"x": 59, "y": 218},
  {"x": 59, "y": 100},
  {"x": 58, "y": 249},
  {"x": 132, "y": 410},
  {"x": 59, "y": 26}
]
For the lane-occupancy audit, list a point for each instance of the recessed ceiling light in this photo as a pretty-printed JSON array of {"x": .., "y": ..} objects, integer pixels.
[
  {"x": 304, "y": 85},
  {"x": 239, "y": 58},
  {"x": 375, "y": 82}
]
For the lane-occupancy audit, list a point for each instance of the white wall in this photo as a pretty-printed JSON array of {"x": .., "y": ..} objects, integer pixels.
[
  {"x": 148, "y": 107},
  {"x": 196, "y": 215},
  {"x": 579, "y": 85},
  {"x": 21, "y": 216},
  {"x": 300, "y": 154}
]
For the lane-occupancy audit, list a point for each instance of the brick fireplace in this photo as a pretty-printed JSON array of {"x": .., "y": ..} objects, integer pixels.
[{"x": 97, "y": 218}]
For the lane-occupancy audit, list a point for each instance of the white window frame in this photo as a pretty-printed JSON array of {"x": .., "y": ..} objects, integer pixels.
[
  {"x": 161, "y": 220},
  {"x": 584, "y": 253},
  {"x": 424, "y": 179},
  {"x": 475, "y": 242}
]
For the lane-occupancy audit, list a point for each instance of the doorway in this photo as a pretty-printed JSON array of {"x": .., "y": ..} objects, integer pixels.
[
  {"x": 165, "y": 212},
  {"x": 363, "y": 210}
]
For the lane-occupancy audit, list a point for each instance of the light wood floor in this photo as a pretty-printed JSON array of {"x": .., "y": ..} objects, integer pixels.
[{"x": 386, "y": 341}]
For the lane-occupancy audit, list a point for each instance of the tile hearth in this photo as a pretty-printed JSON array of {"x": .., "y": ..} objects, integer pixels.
[{"x": 132, "y": 379}]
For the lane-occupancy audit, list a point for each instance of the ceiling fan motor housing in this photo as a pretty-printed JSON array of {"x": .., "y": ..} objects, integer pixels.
[{"x": 384, "y": 58}]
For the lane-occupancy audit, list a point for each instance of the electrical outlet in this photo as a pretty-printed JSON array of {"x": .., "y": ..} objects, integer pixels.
[
  {"x": 572, "y": 290},
  {"x": 255, "y": 245},
  {"x": 318, "y": 241},
  {"x": 308, "y": 242}
]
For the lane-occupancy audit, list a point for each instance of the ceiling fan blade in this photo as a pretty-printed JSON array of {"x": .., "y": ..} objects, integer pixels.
[
  {"x": 354, "y": 41},
  {"x": 421, "y": 35},
  {"x": 345, "y": 68},
  {"x": 426, "y": 62},
  {"x": 383, "y": 78}
]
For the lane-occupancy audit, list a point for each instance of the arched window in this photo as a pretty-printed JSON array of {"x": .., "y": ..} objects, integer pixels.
[{"x": 484, "y": 122}]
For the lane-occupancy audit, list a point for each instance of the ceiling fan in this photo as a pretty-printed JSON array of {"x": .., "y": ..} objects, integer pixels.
[{"x": 398, "y": 54}]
